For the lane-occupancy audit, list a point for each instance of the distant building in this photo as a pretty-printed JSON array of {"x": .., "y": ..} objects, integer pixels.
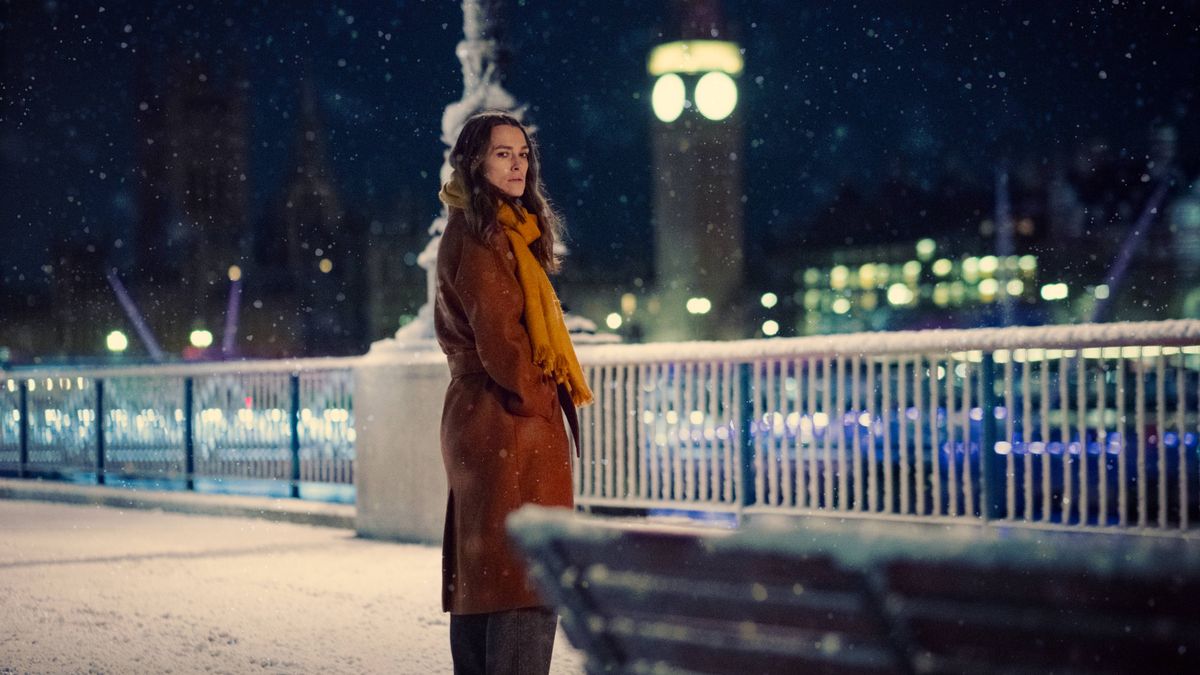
[
  {"x": 306, "y": 286},
  {"x": 193, "y": 224},
  {"x": 697, "y": 168}
]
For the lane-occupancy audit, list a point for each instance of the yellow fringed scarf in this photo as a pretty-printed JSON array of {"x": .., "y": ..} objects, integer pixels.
[{"x": 552, "y": 348}]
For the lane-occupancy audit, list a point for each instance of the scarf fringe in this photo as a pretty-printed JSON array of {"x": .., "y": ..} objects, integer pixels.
[{"x": 558, "y": 367}]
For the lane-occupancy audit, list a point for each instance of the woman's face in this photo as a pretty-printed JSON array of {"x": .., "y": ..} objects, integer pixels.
[{"x": 507, "y": 160}]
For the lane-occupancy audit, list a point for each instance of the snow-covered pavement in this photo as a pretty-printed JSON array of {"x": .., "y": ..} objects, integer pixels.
[{"x": 89, "y": 589}]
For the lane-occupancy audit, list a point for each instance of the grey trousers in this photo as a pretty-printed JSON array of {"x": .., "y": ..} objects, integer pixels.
[{"x": 516, "y": 642}]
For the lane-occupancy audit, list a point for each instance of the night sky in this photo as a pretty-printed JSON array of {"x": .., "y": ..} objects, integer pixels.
[{"x": 829, "y": 96}]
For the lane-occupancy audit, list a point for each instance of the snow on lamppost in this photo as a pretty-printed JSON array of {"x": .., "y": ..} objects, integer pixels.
[{"x": 483, "y": 55}]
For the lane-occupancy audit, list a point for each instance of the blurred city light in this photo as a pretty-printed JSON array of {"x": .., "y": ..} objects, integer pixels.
[
  {"x": 200, "y": 338},
  {"x": 116, "y": 341},
  {"x": 1056, "y": 291},
  {"x": 699, "y": 305}
]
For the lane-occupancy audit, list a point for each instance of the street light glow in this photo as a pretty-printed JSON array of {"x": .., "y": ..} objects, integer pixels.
[
  {"x": 699, "y": 305},
  {"x": 200, "y": 338},
  {"x": 1058, "y": 291},
  {"x": 899, "y": 294},
  {"x": 116, "y": 341}
]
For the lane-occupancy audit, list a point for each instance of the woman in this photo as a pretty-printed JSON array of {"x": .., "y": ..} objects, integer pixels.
[{"x": 513, "y": 375}]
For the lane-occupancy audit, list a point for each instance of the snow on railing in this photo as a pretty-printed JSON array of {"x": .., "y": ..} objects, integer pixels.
[
  {"x": 1092, "y": 426},
  {"x": 1076, "y": 426}
]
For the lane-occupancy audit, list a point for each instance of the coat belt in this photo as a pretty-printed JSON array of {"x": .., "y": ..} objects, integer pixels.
[{"x": 465, "y": 363}]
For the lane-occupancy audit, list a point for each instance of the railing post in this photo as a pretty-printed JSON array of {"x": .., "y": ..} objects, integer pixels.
[
  {"x": 992, "y": 471},
  {"x": 746, "y": 376},
  {"x": 23, "y": 429},
  {"x": 294, "y": 420},
  {"x": 189, "y": 437},
  {"x": 99, "y": 431}
]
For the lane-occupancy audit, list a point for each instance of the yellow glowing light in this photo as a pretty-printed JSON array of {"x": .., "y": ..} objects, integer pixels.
[
  {"x": 699, "y": 305},
  {"x": 769, "y": 300},
  {"x": 628, "y": 303},
  {"x": 1027, "y": 263},
  {"x": 869, "y": 300},
  {"x": 941, "y": 295},
  {"x": 695, "y": 56},
  {"x": 866, "y": 276},
  {"x": 911, "y": 270},
  {"x": 1057, "y": 291},
  {"x": 925, "y": 248},
  {"x": 116, "y": 341},
  {"x": 989, "y": 264},
  {"x": 838, "y": 277},
  {"x": 970, "y": 270},
  {"x": 1102, "y": 292},
  {"x": 326, "y": 265},
  {"x": 988, "y": 289},
  {"x": 200, "y": 338},
  {"x": 235, "y": 273},
  {"x": 899, "y": 294},
  {"x": 667, "y": 97},
  {"x": 770, "y": 327},
  {"x": 1014, "y": 287},
  {"x": 613, "y": 321},
  {"x": 841, "y": 306},
  {"x": 716, "y": 96},
  {"x": 942, "y": 267}
]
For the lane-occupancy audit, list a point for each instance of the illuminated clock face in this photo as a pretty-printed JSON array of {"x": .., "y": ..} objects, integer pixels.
[
  {"x": 716, "y": 95},
  {"x": 668, "y": 97},
  {"x": 713, "y": 62}
]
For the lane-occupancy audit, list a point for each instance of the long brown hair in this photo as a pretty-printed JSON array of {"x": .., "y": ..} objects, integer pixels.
[{"x": 467, "y": 157}]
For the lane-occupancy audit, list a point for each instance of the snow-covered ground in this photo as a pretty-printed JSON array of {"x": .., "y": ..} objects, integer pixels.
[{"x": 87, "y": 589}]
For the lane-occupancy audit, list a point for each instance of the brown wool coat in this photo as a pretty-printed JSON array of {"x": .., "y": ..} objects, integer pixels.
[{"x": 504, "y": 443}]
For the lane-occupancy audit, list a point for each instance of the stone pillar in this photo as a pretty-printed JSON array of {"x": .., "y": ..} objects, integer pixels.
[{"x": 400, "y": 481}]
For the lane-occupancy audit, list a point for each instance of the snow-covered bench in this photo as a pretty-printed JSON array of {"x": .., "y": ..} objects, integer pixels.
[{"x": 829, "y": 595}]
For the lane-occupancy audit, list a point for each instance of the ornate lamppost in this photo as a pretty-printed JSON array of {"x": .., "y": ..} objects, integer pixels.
[{"x": 483, "y": 56}]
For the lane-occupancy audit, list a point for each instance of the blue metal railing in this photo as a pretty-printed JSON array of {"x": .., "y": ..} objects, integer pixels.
[
  {"x": 252, "y": 426},
  {"x": 1069, "y": 426}
]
